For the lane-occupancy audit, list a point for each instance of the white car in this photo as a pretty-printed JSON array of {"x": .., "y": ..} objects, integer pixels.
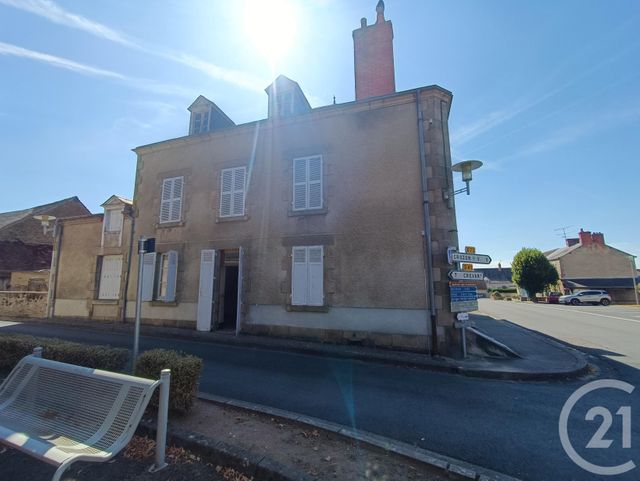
[{"x": 586, "y": 297}]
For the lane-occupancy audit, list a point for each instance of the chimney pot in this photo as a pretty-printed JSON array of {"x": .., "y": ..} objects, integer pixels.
[{"x": 585, "y": 237}]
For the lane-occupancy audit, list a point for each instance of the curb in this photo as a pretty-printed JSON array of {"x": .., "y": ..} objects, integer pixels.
[
  {"x": 446, "y": 463},
  {"x": 219, "y": 452},
  {"x": 394, "y": 358}
]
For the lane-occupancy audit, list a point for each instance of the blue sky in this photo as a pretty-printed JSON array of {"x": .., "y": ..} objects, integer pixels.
[{"x": 546, "y": 94}]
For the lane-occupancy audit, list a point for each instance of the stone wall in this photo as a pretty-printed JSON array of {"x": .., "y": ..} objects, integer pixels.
[{"x": 23, "y": 304}]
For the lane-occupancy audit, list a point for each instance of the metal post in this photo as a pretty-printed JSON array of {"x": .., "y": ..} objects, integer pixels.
[
  {"x": 463, "y": 333},
  {"x": 136, "y": 330},
  {"x": 37, "y": 351},
  {"x": 633, "y": 279},
  {"x": 163, "y": 415}
]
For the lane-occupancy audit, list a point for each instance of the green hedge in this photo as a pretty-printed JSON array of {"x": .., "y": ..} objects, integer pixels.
[
  {"x": 14, "y": 347},
  {"x": 185, "y": 375}
]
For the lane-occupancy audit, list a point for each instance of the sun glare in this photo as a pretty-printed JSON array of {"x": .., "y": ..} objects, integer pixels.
[{"x": 270, "y": 25}]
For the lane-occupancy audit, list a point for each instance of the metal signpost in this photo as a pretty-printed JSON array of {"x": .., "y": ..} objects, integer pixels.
[
  {"x": 464, "y": 295},
  {"x": 144, "y": 245}
]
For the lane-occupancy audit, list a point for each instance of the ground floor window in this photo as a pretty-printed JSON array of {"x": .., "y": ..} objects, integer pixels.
[
  {"x": 307, "y": 276},
  {"x": 110, "y": 268},
  {"x": 159, "y": 276}
]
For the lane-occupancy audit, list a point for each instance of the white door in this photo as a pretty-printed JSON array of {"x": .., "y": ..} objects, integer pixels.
[
  {"x": 239, "y": 304},
  {"x": 205, "y": 292}
]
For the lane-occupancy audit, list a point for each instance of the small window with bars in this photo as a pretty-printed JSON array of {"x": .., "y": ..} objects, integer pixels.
[
  {"x": 307, "y": 183},
  {"x": 232, "y": 191}
]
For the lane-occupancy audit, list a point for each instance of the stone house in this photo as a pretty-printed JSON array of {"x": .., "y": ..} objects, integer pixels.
[
  {"x": 329, "y": 223},
  {"x": 91, "y": 265},
  {"x": 586, "y": 262}
]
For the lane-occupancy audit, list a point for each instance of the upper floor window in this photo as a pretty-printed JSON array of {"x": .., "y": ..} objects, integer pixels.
[
  {"x": 232, "y": 191},
  {"x": 112, "y": 220},
  {"x": 200, "y": 122},
  {"x": 171, "y": 200},
  {"x": 307, "y": 183}
]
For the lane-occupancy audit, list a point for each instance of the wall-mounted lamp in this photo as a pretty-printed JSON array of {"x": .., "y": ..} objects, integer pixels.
[
  {"x": 45, "y": 221},
  {"x": 466, "y": 167}
]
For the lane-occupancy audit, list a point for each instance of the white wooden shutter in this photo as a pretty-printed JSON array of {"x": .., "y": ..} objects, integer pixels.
[
  {"x": 299, "y": 184},
  {"x": 226, "y": 192},
  {"x": 299, "y": 276},
  {"x": 205, "y": 290},
  {"x": 240, "y": 291},
  {"x": 315, "y": 296},
  {"x": 172, "y": 276},
  {"x": 171, "y": 200},
  {"x": 314, "y": 189},
  {"x": 110, "y": 274},
  {"x": 238, "y": 190},
  {"x": 148, "y": 275},
  {"x": 112, "y": 220}
]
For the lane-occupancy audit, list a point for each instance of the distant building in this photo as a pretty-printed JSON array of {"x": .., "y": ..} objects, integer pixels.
[
  {"x": 497, "y": 277},
  {"x": 586, "y": 262},
  {"x": 24, "y": 247}
]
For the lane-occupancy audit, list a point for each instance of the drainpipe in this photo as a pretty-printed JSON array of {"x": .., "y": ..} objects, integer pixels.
[
  {"x": 428, "y": 255},
  {"x": 55, "y": 262},
  {"x": 123, "y": 317}
]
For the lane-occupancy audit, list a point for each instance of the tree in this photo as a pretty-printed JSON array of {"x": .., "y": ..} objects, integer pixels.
[{"x": 532, "y": 271}]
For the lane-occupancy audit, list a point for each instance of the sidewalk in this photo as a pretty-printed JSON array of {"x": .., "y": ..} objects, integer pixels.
[{"x": 540, "y": 357}]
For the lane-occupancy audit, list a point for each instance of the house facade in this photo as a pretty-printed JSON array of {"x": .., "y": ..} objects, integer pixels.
[
  {"x": 91, "y": 264},
  {"x": 586, "y": 262},
  {"x": 329, "y": 223}
]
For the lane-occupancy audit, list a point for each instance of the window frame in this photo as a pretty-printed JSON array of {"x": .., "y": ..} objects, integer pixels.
[
  {"x": 308, "y": 294},
  {"x": 99, "y": 288},
  {"x": 171, "y": 200},
  {"x": 108, "y": 220},
  {"x": 307, "y": 183},
  {"x": 232, "y": 192}
]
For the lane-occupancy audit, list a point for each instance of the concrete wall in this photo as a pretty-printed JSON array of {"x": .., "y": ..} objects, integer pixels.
[
  {"x": 371, "y": 225},
  {"x": 595, "y": 261},
  {"x": 76, "y": 280},
  {"x": 23, "y": 304}
]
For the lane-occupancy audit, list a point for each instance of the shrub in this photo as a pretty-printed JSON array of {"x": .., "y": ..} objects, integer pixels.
[
  {"x": 496, "y": 296},
  {"x": 14, "y": 347},
  {"x": 185, "y": 375}
]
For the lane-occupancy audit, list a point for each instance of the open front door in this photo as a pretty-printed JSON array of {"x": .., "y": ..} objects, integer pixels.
[
  {"x": 240, "y": 278},
  {"x": 205, "y": 292}
]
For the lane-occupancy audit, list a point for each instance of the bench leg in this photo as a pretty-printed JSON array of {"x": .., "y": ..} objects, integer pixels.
[{"x": 60, "y": 471}]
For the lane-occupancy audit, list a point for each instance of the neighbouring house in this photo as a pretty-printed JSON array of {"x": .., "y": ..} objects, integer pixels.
[
  {"x": 25, "y": 256},
  {"x": 328, "y": 223},
  {"x": 497, "y": 277},
  {"x": 586, "y": 262},
  {"x": 91, "y": 264}
]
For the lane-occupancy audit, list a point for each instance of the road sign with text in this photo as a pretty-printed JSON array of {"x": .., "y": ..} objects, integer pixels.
[
  {"x": 454, "y": 256},
  {"x": 466, "y": 275}
]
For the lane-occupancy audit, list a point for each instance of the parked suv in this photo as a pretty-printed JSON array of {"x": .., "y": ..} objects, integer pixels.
[{"x": 587, "y": 297}]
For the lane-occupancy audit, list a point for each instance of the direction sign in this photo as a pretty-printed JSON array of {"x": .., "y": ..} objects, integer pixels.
[
  {"x": 454, "y": 256},
  {"x": 466, "y": 275},
  {"x": 469, "y": 250}
]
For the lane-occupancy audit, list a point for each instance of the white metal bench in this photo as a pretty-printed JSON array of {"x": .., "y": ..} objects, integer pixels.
[{"x": 62, "y": 413}]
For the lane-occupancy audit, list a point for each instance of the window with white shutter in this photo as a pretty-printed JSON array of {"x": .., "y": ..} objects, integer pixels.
[
  {"x": 232, "y": 191},
  {"x": 110, "y": 273},
  {"x": 171, "y": 200},
  {"x": 148, "y": 275},
  {"x": 307, "y": 276},
  {"x": 112, "y": 220},
  {"x": 167, "y": 276},
  {"x": 307, "y": 183}
]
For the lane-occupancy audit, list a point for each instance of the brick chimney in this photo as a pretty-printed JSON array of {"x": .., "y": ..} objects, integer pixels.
[
  {"x": 597, "y": 238},
  {"x": 572, "y": 241},
  {"x": 585, "y": 237},
  {"x": 373, "y": 57}
]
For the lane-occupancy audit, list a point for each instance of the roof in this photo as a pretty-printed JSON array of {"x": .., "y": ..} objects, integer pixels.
[
  {"x": 499, "y": 274},
  {"x": 8, "y": 218},
  {"x": 554, "y": 254},
  {"x": 601, "y": 283},
  {"x": 124, "y": 200},
  {"x": 18, "y": 256}
]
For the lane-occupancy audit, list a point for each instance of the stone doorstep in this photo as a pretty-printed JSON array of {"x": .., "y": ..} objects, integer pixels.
[{"x": 445, "y": 463}]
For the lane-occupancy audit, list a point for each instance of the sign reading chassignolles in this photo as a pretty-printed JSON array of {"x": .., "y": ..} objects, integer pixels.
[{"x": 464, "y": 297}]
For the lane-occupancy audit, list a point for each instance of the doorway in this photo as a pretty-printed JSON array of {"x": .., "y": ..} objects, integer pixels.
[{"x": 228, "y": 290}]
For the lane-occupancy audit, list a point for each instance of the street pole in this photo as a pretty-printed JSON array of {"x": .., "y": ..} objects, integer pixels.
[
  {"x": 136, "y": 330},
  {"x": 633, "y": 278}
]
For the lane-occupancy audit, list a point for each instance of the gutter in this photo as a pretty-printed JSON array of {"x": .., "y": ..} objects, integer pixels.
[
  {"x": 428, "y": 257},
  {"x": 55, "y": 263}
]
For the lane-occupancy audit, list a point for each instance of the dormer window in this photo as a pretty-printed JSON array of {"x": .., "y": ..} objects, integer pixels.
[
  {"x": 115, "y": 209},
  {"x": 286, "y": 98},
  {"x": 207, "y": 117},
  {"x": 284, "y": 101},
  {"x": 112, "y": 220}
]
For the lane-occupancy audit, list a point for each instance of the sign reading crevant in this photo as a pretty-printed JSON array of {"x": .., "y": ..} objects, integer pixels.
[{"x": 466, "y": 275}]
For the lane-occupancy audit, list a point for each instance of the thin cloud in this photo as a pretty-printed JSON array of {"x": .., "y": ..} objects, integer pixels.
[
  {"x": 54, "y": 13},
  {"x": 88, "y": 70},
  {"x": 15, "y": 51}
]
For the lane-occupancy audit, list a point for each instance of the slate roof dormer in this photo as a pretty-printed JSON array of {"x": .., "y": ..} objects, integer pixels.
[
  {"x": 206, "y": 116},
  {"x": 286, "y": 98}
]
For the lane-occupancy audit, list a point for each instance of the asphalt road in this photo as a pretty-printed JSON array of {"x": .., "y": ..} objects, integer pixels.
[
  {"x": 507, "y": 426},
  {"x": 612, "y": 331}
]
